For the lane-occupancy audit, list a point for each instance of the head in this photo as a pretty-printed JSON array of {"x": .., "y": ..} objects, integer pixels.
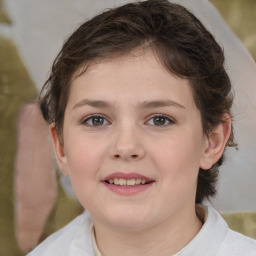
[{"x": 179, "y": 41}]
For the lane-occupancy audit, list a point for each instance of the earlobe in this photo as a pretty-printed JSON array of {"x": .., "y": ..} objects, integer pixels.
[
  {"x": 215, "y": 143},
  {"x": 58, "y": 148}
]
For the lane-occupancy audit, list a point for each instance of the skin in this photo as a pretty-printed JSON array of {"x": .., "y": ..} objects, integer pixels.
[
  {"x": 35, "y": 181},
  {"x": 162, "y": 218}
]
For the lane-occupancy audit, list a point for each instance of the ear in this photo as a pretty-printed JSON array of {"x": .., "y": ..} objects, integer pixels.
[
  {"x": 58, "y": 148},
  {"x": 215, "y": 143}
]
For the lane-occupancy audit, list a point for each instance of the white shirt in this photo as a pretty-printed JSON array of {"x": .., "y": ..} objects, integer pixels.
[
  {"x": 97, "y": 251},
  {"x": 214, "y": 239}
]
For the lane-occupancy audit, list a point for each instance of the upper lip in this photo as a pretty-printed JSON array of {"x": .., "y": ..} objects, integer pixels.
[{"x": 130, "y": 175}]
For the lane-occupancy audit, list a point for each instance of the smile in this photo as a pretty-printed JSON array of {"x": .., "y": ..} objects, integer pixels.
[{"x": 127, "y": 182}]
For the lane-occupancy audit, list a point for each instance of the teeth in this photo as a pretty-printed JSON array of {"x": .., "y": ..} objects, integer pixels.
[
  {"x": 129, "y": 182},
  {"x": 138, "y": 181},
  {"x": 122, "y": 182}
]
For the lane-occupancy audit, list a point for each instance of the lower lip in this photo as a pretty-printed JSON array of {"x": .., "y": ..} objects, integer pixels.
[{"x": 127, "y": 190}]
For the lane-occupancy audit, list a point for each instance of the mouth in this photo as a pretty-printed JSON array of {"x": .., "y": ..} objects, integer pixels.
[{"x": 127, "y": 184}]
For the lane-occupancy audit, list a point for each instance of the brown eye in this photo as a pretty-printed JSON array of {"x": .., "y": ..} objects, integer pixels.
[
  {"x": 95, "y": 121},
  {"x": 160, "y": 120}
]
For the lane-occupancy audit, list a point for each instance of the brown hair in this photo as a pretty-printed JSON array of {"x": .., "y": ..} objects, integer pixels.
[{"x": 179, "y": 40}]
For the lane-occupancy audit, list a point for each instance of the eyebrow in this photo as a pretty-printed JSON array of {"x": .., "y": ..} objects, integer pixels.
[
  {"x": 143, "y": 105},
  {"x": 93, "y": 103},
  {"x": 160, "y": 103}
]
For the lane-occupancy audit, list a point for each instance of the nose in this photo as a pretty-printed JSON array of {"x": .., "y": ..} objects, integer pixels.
[{"x": 127, "y": 145}]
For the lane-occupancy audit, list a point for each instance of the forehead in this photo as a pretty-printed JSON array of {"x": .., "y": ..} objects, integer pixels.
[{"x": 139, "y": 76}]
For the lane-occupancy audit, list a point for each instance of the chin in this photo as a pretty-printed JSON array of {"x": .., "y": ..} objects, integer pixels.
[{"x": 130, "y": 220}]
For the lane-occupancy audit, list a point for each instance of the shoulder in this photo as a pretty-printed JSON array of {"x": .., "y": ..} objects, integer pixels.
[
  {"x": 216, "y": 239},
  {"x": 233, "y": 243},
  {"x": 236, "y": 244},
  {"x": 62, "y": 242}
]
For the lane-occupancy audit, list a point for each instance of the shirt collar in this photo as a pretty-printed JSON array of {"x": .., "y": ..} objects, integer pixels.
[
  {"x": 95, "y": 246},
  {"x": 206, "y": 242},
  {"x": 82, "y": 242},
  {"x": 209, "y": 239}
]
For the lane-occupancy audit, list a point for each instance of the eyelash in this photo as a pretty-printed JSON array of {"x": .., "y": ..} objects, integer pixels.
[
  {"x": 90, "y": 118},
  {"x": 106, "y": 122},
  {"x": 166, "y": 119}
]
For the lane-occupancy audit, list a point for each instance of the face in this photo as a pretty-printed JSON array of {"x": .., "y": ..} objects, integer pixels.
[{"x": 132, "y": 143}]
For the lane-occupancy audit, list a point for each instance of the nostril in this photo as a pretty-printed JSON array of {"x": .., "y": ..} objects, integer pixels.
[{"x": 132, "y": 156}]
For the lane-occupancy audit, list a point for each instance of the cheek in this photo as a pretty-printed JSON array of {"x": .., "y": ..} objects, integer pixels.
[
  {"x": 83, "y": 157},
  {"x": 84, "y": 165},
  {"x": 178, "y": 159},
  {"x": 178, "y": 172},
  {"x": 178, "y": 151}
]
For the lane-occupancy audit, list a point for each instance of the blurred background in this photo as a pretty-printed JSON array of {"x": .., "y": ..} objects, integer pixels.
[
  {"x": 240, "y": 15},
  {"x": 31, "y": 34}
]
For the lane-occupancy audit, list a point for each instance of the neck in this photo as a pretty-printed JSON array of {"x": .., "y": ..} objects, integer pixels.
[{"x": 166, "y": 238}]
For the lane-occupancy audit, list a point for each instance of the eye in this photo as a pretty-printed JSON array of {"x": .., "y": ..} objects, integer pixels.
[
  {"x": 95, "y": 120},
  {"x": 160, "y": 120}
]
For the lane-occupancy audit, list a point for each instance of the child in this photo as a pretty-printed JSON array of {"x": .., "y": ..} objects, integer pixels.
[{"x": 138, "y": 103}]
